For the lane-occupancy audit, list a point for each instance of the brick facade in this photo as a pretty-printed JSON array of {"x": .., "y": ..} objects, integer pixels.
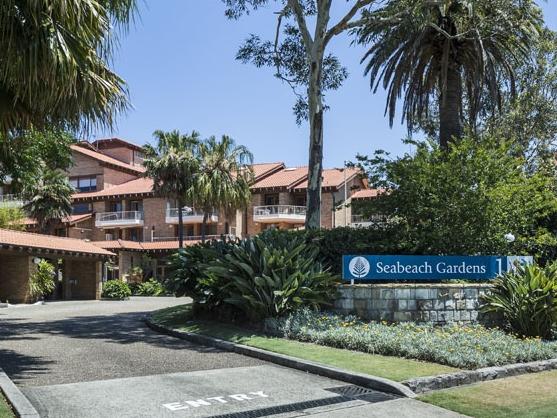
[{"x": 15, "y": 270}]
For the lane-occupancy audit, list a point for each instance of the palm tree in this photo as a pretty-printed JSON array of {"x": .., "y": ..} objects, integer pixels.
[
  {"x": 447, "y": 49},
  {"x": 173, "y": 165},
  {"x": 53, "y": 62},
  {"x": 49, "y": 199},
  {"x": 224, "y": 178}
]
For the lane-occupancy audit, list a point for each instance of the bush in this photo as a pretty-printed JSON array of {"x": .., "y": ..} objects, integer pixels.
[
  {"x": 116, "y": 289},
  {"x": 462, "y": 346},
  {"x": 150, "y": 288},
  {"x": 41, "y": 283},
  {"x": 527, "y": 300},
  {"x": 269, "y": 277}
]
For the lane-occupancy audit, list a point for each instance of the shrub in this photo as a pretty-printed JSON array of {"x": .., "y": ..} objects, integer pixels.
[
  {"x": 116, "y": 289},
  {"x": 462, "y": 346},
  {"x": 267, "y": 276},
  {"x": 150, "y": 288},
  {"x": 527, "y": 300},
  {"x": 41, "y": 283}
]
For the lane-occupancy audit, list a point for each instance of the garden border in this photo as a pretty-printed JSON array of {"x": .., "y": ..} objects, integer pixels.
[
  {"x": 467, "y": 377},
  {"x": 360, "y": 379},
  {"x": 18, "y": 401}
]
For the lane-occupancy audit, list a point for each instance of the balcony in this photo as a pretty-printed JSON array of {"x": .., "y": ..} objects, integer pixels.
[
  {"x": 189, "y": 216},
  {"x": 359, "y": 221},
  {"x": 119, "y": 219},
  {"x": 11, "y": 201},
  {"x": 279, "y": 214}
]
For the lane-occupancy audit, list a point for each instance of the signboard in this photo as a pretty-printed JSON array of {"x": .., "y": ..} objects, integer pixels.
[{"x": 427, "y": 267}]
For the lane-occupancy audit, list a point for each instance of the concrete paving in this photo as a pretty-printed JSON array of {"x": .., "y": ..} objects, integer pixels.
[{"x": 98, "y": 359}]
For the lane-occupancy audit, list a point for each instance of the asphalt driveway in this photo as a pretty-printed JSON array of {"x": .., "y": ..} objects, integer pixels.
[{"x": 78, "y": 341}]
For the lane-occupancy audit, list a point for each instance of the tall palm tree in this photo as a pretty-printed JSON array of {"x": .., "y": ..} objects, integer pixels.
[
  {"x": 446, "y": 49},
  {"x": 173, "y": 165},
  {"x": 224, "y": 178},
  {"x": 54, "y": 58},
  {"x": 49, "y": 199}
]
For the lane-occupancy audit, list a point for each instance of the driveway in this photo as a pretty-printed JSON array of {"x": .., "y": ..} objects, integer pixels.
[{"x": 98, "y": 359}]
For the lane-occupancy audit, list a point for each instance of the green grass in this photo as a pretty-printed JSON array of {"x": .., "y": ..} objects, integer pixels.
[
  {"x": 5, "y": 409},
  {"x": 526, "y": 396},
  {"x": 393, "y": 368}
]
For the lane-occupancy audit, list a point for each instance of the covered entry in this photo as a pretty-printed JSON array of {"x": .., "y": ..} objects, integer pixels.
[{"x": 80, "y": 265}]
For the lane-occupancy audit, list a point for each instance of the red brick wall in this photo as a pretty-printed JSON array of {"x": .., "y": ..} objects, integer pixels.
[
  {"x": 15, "y": 270},
  {"x": 82, "y": 279}
]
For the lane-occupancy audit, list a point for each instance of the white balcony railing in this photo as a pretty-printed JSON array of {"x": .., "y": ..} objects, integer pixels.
[
  {"x": 361, "y": 221},
  {"x": 11, "y": 200},
  {"x": 279, "y": 213},
  {"x": 195, "y": 237},
  {"x": 189, "y": 216},
  {"x": 119, "y": 219}
]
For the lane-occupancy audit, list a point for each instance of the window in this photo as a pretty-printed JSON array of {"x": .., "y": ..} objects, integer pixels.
[
  {"x": 300, "y": 200},
  {"x": 116, "y": 207},
  {"x": 136, "y": 205},
  {"x": 271, "y": 199},
  {"x": 135, "y": 234},
  {"x": 81, "y": 208},
  {"x": 84, "y": 183}
]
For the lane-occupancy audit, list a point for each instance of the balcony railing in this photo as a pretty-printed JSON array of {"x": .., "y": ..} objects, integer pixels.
[
  {"x": 11, "y": 200},
  {"x": 279, "y": 213},
  {"x": 195, "y": 237},
  {"x": 119, "y": 219},
  {"x": 361, "y": 221},
  {"x": 189, "y": 216}
]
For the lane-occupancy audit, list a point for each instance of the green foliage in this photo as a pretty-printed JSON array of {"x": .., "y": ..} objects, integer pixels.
[
  {"x": 463, "y": 201},
  {"x": 462, "y": 346},
  {"x": 527, "y": 300},
  {"x": 11, "y": 218},
  {"x": 268, "y": 278},
  {"x": 41, "y": 282},
  {"x": 116, "y": 289},
  {"x": 151, "y": 287}
]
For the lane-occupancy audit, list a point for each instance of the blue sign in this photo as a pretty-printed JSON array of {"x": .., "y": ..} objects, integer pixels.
[{"x": 426, "y": 267}]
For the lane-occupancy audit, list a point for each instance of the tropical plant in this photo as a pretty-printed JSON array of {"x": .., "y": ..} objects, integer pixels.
[
  {"x": 53, "y": 62},
  {"x": 151, "y": 287},
  {"x": 266, "y": 278},
  {"x": 12, "y": 218},
  {"x": 49, "y": 199},
  {"x": 116, "y": 289},
  {"x": 224, "y": 178},
  {"x": 447, "y": 50},
  {"x": 173, "y": 165},
  {"x": 41, "y": 282},
  {"x": 527, "y": 299}
]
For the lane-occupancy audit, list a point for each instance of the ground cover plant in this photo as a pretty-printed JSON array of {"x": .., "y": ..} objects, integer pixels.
[
  {"x": 462, "y": 346},
  {"x": 116, "y": 289},
  {"x": 151, "y": 287},
  {"x": 399, "y": 369}
]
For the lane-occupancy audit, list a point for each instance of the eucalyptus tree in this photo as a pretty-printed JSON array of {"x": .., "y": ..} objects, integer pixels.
[
  {"x": 54, "y": 57},
  {"x": 446, "y": 50},
  {"x": 49, "y": 199},
  {"x": 224, "y": 177},
  {"x": 298, "y": 53},
  {"x": 173, "y": 165}
]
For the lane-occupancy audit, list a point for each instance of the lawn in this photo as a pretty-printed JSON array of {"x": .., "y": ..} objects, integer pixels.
[
  {"x": 394, "y": 368},
  {"x": 5, "y": 409},
  {"x": 526, "y": 396}
]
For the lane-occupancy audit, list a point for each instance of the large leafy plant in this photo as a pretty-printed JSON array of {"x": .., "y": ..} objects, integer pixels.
[
  {"x": 41, "y": 282},
  {"x": 116, "y": 289},
  {"x": 527, "y": 300},
  {"x": 272, "y": 277}
]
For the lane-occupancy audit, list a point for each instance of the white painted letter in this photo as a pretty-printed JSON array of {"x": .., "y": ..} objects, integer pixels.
[
  {"x": 218, "y": 398},
  {"x": 174, "y": 406},
  {"x": 240, "y": 397},
  {"x": 198, "y": 403},
  {"x": 259, "y": 393}
]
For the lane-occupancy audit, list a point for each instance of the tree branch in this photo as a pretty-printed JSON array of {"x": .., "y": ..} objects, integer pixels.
[
  {"x": 302, "y": 25},
  {"x": 345, "y": 23}
]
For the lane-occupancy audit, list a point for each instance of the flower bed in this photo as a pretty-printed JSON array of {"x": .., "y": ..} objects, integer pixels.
[{"x": 462, "y": 346}]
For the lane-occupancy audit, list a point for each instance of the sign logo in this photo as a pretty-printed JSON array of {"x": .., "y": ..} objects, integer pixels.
[{"x": 359, "y": 267}]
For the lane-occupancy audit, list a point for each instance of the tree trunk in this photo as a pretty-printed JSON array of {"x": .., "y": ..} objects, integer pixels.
[
  {"x": 315, "y": 166},
  {"x": 204, "y": 224},
  {"x": 450, "y": 107},
  {"x": 180, "y": 225}
]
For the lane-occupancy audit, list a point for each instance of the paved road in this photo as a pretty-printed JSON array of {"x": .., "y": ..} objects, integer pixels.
[
  {"x": 98, "y": 359},
  {"x": 77, "y": 341}
]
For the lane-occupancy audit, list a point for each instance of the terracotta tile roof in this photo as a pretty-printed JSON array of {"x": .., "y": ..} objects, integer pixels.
[
  {"x": 333, "y": 178},
  {"x": 286, "y": 178},
  {"x": 261, "y": 169},
  {"x": 72, "y": 219},
  {"x": 116, "y": 142},
  {"x": 113, "y": 162},
  {"x": 9, "y": 238},
  {"x": 142, "y": 246},
  {"x": 366, "y": 194},
  {"x": 139, "y": 186}
]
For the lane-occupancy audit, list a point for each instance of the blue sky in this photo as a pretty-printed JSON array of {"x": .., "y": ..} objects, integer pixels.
[{"x": 179, "y": 63}]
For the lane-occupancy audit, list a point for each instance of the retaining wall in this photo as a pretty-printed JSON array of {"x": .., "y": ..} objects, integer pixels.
[{"x": 438, "y": 303}]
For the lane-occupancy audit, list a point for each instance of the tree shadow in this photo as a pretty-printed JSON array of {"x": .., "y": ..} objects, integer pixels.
[{"x": 20, "y": 366}]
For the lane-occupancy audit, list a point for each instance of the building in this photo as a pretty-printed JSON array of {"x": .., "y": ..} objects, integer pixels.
[{"x": 114, "y": 206}]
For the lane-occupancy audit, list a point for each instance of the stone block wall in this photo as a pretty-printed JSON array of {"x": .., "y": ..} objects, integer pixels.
[{"x": 437, "y": 303}]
